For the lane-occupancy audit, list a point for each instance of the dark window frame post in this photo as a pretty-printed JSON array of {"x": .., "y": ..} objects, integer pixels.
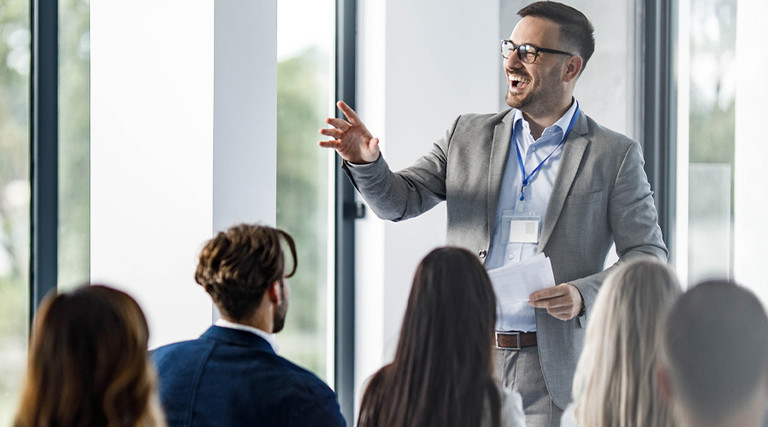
[
  {"x": 44, "y": 151},
  {"x": 657, "y": 112},
  {"x": 344, "y": 339}
]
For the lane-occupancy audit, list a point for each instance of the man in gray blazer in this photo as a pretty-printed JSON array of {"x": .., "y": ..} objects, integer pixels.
[{"x": 541, "y": 177}]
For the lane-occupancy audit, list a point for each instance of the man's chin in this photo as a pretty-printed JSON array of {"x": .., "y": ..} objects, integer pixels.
[{"x": 515, "y": 101}]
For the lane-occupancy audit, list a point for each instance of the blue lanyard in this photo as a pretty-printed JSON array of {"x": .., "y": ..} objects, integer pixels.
[{"x": 527, "y": 179}]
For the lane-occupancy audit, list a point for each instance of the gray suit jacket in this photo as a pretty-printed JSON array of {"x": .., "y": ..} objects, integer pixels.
[{"x": 601, "y": 196}]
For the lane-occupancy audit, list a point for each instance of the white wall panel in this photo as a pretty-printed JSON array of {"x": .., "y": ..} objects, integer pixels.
[{"x": 182, "y": 144}]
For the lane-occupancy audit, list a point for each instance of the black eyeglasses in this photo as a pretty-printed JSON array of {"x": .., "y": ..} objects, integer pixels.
[{"x": 527, "y": 53}]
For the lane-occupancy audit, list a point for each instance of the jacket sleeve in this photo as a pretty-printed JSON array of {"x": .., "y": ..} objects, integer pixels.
[{"x": 407, "y": 193}]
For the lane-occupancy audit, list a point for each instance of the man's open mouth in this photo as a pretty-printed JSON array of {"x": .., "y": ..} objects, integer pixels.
[{"x": 518, "y": 82}]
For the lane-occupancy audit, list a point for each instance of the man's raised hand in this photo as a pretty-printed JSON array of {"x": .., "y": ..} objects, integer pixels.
[{"x": 351, "y": 138}]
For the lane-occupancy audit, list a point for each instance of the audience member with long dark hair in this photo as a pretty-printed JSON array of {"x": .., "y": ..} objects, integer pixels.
[
  {"x": 442, "y": 374},
  {"x": 88, "y": 363},
  {"x": 615, "y": 382}
]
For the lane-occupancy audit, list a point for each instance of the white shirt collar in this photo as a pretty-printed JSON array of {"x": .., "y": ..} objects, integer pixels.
[
  {"x": 270, "y": 338},
  {"x": 562, "y": 123}
]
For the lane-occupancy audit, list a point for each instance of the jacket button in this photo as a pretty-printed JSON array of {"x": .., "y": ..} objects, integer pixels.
[{"x": 482, "y": 253}]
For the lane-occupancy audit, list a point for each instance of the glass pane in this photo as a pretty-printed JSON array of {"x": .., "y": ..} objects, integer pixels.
[
  {"x": 711, "y": 138},
  {"x": 74, "y": 142},
  {"x": 304, "y": 91},
  {"x": 723, "y": 143},
  {"x": 14, "y": 200}
]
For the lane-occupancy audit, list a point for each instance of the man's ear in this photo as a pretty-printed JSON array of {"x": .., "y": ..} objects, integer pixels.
[
  {"x": 273, "y": 292},
  {"x": 573, "y": 66}
]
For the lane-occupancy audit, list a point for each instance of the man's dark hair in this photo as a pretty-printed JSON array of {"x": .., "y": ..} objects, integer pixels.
[
  {"x": 238, "y": 265},
  {"x": 575, "y": 29}
]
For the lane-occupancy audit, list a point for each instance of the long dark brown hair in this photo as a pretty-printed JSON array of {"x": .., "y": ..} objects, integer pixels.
[
  {"x": 442, "y": 374},
  {"x": 88, "y": 363}
]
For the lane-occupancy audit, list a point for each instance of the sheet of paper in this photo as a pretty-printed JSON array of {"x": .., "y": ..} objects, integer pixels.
[{"x": 513, "y": 284}]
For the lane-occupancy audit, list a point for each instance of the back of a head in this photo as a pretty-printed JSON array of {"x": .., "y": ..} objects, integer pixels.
[
  {"x": 451, "y": 310},
  {"x": 237, "y": 266},
  {"x": 576, "y": 32},
  {"x": 442, "y": 369},
  {"x": 88, "y": 362},
  {"x": 615, "y": 382},
  {"x": 715, "y": 349}
]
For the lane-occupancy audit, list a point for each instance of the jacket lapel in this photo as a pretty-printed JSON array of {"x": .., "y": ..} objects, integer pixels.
[
  {"x": 573, "y": 151},
  {"x": 502, "y": 135}
]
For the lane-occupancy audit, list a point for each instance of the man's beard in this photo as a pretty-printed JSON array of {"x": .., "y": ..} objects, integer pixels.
[
  {"x": 541, "y": 98},
  {"x": 517, "y": 102},
  {"x": 278, "y": 318}
]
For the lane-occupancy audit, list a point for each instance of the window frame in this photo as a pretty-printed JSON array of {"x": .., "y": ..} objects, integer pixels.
[
  {"x": 345, "y": 215},
  {"x": 656, "y": 118},
  {"x": 44, "y": 151}
]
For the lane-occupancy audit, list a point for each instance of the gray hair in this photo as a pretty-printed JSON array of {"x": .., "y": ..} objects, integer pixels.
[{"x": 715, "y": 349}]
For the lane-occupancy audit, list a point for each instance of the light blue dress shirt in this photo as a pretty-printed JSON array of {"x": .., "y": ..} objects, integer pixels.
[{"x": 537, "y": 192}]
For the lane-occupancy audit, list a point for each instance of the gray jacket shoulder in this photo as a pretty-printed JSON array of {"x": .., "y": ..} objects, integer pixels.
[{"x": 473, "y": 122}]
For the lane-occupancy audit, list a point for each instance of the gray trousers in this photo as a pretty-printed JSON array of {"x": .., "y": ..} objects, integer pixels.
[{"x": 520, "y": 370}]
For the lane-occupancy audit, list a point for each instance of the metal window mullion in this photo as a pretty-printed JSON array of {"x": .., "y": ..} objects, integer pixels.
[
  {"x": 44, "y": 151},
  {"x": 344, "y": 325},
  {"x": 658, "y": 112}
]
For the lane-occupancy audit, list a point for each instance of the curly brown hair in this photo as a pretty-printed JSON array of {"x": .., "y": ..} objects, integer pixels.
[{"x": 237, "y": 266}]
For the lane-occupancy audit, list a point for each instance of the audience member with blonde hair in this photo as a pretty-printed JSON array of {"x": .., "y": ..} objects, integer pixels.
[
  {"x": 443, "y": 374},
  {"x": 88, "y": 363},
  {"x": 615, "y": 380},
  {"x": 714, "y": 359}
]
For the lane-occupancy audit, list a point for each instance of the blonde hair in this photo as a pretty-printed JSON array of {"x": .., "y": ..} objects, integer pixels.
[{"x": 615, "y": 381}]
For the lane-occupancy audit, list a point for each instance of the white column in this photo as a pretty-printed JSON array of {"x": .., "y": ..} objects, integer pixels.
[
  {"x": 750, "y": 200},
  {"x": 245, "y": 113},
  {"x": 182, "y": 144}
]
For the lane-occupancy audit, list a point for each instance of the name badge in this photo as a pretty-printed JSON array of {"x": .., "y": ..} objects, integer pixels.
[{"x": 524, "y": 230}]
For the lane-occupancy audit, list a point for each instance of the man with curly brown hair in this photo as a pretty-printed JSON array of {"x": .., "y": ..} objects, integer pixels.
[{"x": 232, "y": 375}]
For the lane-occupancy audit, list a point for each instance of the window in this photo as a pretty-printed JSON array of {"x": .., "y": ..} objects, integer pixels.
[
  {"x": 721, "y": 205},
  {"x": 305, "y": 198},
  {"x": 305, "y": 74},
  {"x": 74, "y": 143},
  {"x": 14, "y": 200}
]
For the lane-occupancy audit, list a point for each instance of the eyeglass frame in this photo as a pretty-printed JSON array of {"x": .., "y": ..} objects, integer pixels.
[{"x": 536, "y": 51}]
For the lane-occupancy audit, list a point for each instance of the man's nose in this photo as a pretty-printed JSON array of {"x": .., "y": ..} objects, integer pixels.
[{"x": 512, "y": 61}]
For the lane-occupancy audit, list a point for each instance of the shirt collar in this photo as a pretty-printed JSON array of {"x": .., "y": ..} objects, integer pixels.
[
  {"x": 562, "y": 123},
  {"x": 270, "y": 338}
]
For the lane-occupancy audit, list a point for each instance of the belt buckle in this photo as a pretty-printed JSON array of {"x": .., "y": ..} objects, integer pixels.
[{"x": 511, "y": 333}]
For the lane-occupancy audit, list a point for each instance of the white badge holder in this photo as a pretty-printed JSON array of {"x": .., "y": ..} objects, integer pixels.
[{"x": 521, "y": 228}]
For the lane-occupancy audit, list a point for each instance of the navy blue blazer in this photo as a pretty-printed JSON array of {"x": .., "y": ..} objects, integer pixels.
[{"x": 229, "y": 377}]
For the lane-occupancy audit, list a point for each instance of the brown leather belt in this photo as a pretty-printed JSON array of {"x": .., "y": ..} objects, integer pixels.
[{"x": 514, "y": 340}]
